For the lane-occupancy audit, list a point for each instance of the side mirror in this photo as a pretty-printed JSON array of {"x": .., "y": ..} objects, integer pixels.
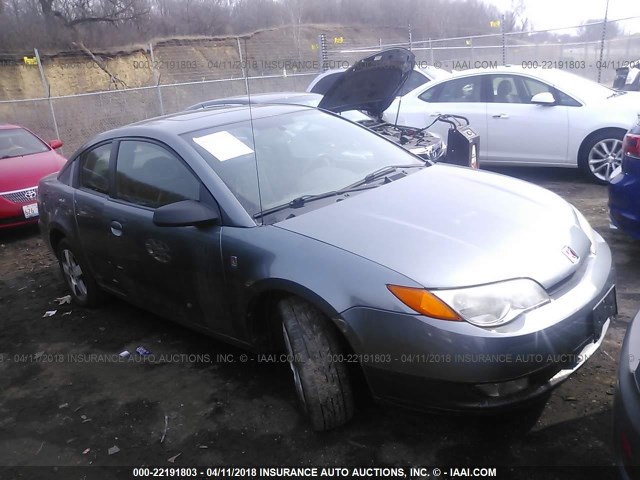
[
  {"x": 55, "y": 144},
  {"x": 543, "y": 98},
  {"x": 184, "y": 214}
]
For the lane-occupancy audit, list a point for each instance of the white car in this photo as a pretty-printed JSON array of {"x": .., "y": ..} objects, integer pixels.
[
  {"x": 529, "y": 117},
  {"x": 419, "y": 76}
]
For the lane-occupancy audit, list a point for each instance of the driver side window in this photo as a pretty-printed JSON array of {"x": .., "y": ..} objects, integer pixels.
[{"x": 149, "y": 175}]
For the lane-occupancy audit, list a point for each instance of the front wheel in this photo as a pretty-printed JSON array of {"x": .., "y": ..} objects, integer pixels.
[
  {"x": 601, "y": 155},
  {"x": 320, "y": 378},
  {"x": 84, "y": 289}
]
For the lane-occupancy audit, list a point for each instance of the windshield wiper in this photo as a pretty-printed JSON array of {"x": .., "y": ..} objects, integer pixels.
[
  {"x": 617, "y": 93},
  {"x": 384, "y": 171},
  {"x": 304, "y": 199}
]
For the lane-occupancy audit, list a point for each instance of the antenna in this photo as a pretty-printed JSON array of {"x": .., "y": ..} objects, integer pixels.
[{"x": 253, "y": 136}]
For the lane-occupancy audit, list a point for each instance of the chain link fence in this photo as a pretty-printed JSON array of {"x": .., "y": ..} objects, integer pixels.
[{"x": 168, "y": 76}]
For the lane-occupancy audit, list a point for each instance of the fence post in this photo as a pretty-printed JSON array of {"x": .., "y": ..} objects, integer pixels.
[
  {"x": 322, "y": 51},
  {"x": 156, "y": 78},
  {"x": 380, "y": 44},
  {"x": 604, "y": 34},
  {"x": 433, "y": 62},
  {"x": 504, "y": 42},
  {"x": 242, "y": 65},
  {"x": 47, "y": 92}
]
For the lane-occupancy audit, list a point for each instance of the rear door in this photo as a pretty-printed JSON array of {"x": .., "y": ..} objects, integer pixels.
[
  {"x": 174, "y": 271},
  {"x": 90, "y": 196}
]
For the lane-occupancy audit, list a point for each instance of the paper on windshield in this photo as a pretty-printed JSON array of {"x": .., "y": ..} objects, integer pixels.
[{"x": 223, "y": 145}]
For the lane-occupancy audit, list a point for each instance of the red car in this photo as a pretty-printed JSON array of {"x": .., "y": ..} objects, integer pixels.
[{"x": 24, "y": 160}]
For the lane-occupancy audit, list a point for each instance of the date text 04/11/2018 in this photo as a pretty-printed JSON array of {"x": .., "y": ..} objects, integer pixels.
[{"x": 311, "y": 472}]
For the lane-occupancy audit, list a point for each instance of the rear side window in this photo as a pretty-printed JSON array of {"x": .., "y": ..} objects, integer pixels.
[
  {"x": 414, "y": 81},
  {"x": 149, "y": 175},
  {"x": 94, "y": 169},
  {"x": 466, "y": 89}
]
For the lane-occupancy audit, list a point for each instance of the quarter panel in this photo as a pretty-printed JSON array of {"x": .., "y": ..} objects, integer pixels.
[{"x": 55, "y": 205}]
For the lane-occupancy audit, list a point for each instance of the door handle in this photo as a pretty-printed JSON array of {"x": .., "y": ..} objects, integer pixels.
[
  {"x": 116, "y": 228},
  {"x": 500, "y": 115},
  {"x": 437, "y": 114}
]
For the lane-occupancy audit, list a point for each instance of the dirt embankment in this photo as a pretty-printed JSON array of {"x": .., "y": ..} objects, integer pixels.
[{"x": 179, "y": 60}]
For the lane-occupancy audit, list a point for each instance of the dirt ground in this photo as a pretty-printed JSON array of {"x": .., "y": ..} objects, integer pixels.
[{"x": 61, "y": 407}]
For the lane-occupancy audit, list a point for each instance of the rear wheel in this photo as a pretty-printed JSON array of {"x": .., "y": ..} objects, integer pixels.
[
  {"x": 321, "y": 380},
  {"x": 84, "y": 289},
  {"x": 601, "y": 155}
]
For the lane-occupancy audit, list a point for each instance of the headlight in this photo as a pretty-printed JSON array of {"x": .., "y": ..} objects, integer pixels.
[
  {"x": 496, "y": 303},
  {"x": 430, "y": 152},
  {"x": 587, "y": 229}
]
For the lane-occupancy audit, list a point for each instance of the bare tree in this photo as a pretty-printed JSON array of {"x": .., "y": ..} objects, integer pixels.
[
  {"x": 591, "y": 30},
  {"x": 25, "y": 24}
]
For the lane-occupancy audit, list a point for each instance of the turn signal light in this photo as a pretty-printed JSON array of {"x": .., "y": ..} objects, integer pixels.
[{"x": 424, "y": 302}]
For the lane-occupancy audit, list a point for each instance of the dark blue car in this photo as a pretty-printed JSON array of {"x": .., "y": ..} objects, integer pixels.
[
  {"x": 624, "y": 189},
  {"x": 626, "y": 406}
]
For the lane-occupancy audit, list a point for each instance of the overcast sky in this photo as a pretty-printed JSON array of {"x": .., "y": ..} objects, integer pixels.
[{"x": 559, "y": 13}]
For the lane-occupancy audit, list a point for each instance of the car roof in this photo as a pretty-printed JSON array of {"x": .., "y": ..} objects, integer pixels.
[
  {"x": 189, "y": 121},
  {"x": 274, "y": 97},
  {"x": 8, "y": 126},
  {"x": 505, "y": 69},
  {"x": 266, "y": 97}
]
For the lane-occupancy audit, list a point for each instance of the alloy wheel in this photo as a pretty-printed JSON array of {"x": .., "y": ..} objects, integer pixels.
[
  {"x": 73, "y": 274},
  {"x": 604, "y": 157}
]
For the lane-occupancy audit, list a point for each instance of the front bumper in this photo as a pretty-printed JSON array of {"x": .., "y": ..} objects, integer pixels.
[
  {"x": 424, "y": 362},
  {"x": 626, "y": 407},
  {"x": 11, "y": 212}
]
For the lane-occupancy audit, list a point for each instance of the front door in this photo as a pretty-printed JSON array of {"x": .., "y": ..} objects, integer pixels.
[
  {"x": 521, "y": 132},
  {"x": 174, "y": 271}
]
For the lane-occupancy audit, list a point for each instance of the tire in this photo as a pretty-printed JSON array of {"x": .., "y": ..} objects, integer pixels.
[
  {"x": 84, "y": 289},
  {"x": 601, "y": 154},
  {"x": 322, "y": 385}
]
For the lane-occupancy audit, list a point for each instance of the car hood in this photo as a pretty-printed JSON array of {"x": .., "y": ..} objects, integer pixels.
[
  {"x": 371, "y": 84},
  {"x": 23, "y": 172},
  {"x": 449, "y": 227},
  {"x": 628, "y": 101}
]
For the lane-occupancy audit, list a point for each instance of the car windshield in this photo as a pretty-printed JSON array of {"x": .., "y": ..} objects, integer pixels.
[
  {"x": 297, "y": 154},
  {"x": 578, "y": 86},
  {"x": 16, "y": 142}
]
